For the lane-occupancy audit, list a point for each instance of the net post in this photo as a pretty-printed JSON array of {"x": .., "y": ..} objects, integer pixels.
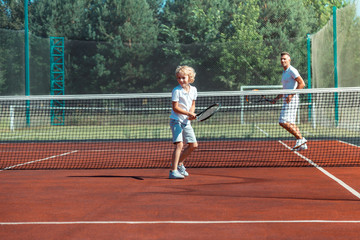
[
  {"x": 313, "y": 119},
  {"x": 12, "y": 118},
  {"x": 242, "y": 106}
]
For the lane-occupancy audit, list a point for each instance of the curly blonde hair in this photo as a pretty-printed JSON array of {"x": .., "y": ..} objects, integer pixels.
[{"x": 186, "y": 70}]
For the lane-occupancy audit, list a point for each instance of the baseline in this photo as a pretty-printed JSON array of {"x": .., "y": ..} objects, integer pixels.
[{"x": 180, "y": 222}]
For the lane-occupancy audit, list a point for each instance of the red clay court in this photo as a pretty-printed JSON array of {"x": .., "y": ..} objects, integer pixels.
[
  {"x": 101, "y": 171},
  {"x": 218, "y": 202}
]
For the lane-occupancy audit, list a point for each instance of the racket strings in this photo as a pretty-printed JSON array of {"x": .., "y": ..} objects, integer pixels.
[{"x": 208, "y": 112}]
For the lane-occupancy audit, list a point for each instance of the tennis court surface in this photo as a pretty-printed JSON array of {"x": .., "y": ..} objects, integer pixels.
[{"x": 96, "y": 167}]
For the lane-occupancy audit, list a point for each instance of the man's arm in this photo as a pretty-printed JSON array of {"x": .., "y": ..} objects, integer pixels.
[
  {"x": 276, "y": 98},
  {"x": 301, "y": 85}
]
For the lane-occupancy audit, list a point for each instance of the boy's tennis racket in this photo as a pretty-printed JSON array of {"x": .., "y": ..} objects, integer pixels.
[
  {"x": 208, "y": 112},
  {"x": 256, "y": 98}
]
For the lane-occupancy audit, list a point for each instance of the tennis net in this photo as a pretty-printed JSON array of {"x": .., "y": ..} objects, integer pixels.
[{"x": 132, "y": 130}]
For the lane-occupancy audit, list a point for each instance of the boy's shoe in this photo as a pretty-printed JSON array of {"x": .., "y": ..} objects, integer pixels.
[
  {"x": 175, "y": 175},
  {"x": 182, "y": 170},
  {"x": 303, "y": 147},
  {"x": 299, "y": 143}
]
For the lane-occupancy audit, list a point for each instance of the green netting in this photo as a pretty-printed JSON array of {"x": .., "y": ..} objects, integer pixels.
[{"x": 348, "y": 48}]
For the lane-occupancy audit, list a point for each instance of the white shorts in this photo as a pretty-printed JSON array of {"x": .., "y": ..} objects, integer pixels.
[
  {"x": 182, "y": 132},
  {"x": 288, "y": 110}
]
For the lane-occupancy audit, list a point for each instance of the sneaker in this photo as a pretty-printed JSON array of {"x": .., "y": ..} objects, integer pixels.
[
  {"x": 303, "y": 147},
  {"x": 182, "y": 170},
  {"x": 299, "y": 143},
  {"x": 175, "y": 175}
]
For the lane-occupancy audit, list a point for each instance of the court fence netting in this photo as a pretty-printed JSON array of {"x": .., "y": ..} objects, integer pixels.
[{"x": 132, "y": 130}]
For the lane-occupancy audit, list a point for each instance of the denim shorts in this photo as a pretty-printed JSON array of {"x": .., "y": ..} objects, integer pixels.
[{"x": 182, "y": 132}]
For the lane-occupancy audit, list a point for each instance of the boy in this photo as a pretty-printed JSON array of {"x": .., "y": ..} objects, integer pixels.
[{"x": 183, "y": 111}]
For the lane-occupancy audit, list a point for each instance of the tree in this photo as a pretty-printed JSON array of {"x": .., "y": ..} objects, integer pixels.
[
  {"x": 287, "y": 32},
  {"x": 196, "y": 29},
  {"x": 11, "y": 47},
  {"x": 12, "y": 14},
  {"x": 125, "y": 33},
  {"x": 244, "y": 59},
  {"x": 323, "y": 9}
]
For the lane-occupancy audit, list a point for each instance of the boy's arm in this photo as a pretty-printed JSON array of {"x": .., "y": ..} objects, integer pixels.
[
  {"x": 192, "y": 111},
  {"x": 178, "y": 109}
]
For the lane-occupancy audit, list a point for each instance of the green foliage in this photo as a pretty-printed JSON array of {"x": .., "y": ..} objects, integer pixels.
[
  {"x": 287, "y": 32},
  {"x": 11, "y": 14},
  {"x": 121, "y": 46},
  {"x": 323, "y": 9},
  {"x": 246, "y": 54},
  {"x": 125, "y": 33},
  {"x": 12, "y": 69}
]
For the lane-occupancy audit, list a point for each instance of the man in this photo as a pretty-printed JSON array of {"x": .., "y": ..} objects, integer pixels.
[{"x": 290, "y": 79}]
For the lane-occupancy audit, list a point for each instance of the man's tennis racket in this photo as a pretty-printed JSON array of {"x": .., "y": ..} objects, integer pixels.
[
  {"x": 256, "y": 98},
  {"x": 208, "y": 112}
]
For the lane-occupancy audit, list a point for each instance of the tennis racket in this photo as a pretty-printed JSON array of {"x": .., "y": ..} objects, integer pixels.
[
  {"x": 208, "y": 112},
  {"x": 256, "y": 98}
]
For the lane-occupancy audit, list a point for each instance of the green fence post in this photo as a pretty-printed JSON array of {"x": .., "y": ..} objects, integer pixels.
[
  {"x": 335, "y": 67},
  {"x": 27, "y": 67}
]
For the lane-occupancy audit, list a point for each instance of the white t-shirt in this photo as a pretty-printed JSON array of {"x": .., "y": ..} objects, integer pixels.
[
  {"x": 185, "y": 100},
  {"x": 288, "y": 78}
]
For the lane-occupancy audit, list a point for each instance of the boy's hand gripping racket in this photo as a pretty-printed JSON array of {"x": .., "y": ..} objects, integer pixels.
[{"x": 208, "y": 112}]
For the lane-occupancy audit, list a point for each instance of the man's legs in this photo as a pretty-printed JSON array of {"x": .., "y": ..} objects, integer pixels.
[
  {"x": 293, "y": 129},
  {"x": 288, "y": 118}
]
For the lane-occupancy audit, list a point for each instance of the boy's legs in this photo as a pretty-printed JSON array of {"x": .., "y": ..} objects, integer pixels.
[
  {"x": 182, "y": 132},
  {"x": 176, "y": 155},
  {"x": 189, "y": 137},
  {"x": 188, "y": 150}
]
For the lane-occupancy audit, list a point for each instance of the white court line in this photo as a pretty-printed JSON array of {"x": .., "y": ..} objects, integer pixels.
[
  {"x": 349, "y": 144},
  {"x": 180, "y": 222},
  {"x": 344, "y": 185},
  {"x": 261, "y": 130},
  {"x": 39, "y": 160}
]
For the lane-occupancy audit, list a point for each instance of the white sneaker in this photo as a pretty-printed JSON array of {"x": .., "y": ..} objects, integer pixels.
[
  {"x": 175, "y": 175},
  {"x": 182, "y": 170},
  {"x": 303, "y": 147},
  {"x": 299, "y": 143}
]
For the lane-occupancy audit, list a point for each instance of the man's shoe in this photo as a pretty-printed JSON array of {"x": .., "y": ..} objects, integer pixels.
[
  {"x": 299, "y": 143},
  {"x": 303, "y": 147}
]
